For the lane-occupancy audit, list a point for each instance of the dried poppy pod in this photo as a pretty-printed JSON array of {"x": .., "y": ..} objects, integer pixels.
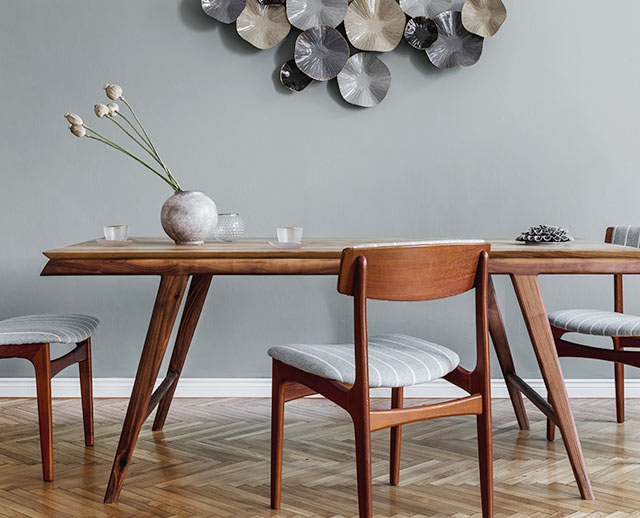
[
  {"x": 114, "y": 92},
  {"x": 73, "y": 119},
  {"x": 77, "y": 130},
  {"x": 101, "y": 110}
]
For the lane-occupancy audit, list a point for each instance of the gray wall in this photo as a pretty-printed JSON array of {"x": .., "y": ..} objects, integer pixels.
[{"x": 543, "y": 129}]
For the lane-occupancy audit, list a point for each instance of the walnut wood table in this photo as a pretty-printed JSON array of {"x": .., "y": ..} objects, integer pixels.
[{"x": 176, "y": 264}]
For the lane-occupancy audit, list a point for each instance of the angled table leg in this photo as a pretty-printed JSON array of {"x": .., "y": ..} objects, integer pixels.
[
  {"x": 535, "y": 315},
  {"x": 503, "y": 351},
  {"x": 163, "y": 317},
  {"x": 196, "y": 297}
]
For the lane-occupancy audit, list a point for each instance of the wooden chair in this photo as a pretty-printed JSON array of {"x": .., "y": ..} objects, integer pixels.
[
  {"x": 393, "y": 273},
  {"x": 29, "y": 337},
  {"x": 622, "y": 328}
]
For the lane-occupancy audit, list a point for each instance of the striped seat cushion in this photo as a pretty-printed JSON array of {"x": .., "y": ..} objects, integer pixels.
[
  {"x": 394, "y": 360},
  {"x": 36, "y": 329},
  {"x": 596, "y": 322},
  {"x": 626, "y": 235}
]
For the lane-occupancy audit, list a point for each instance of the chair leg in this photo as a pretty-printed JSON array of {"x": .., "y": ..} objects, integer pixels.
[
  {"x": 618, "y": 369},
  {"x": 86, "y": 393},
  {"x": 277, "y": 433},
  {"x": 551, "y": 427},
  {"x": 485, "y": 457},
  {"x": 396, "y": 439},
  {"x": 363, "y": 464},
  {"x": 41, "y": 364}
]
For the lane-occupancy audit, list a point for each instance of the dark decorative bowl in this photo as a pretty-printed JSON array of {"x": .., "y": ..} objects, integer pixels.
[{"x": 545, "y": 235}]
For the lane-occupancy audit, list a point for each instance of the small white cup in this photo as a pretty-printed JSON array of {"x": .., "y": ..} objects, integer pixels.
[
  {"x": 116, "y": 232},
  {"x": 289, "y": 234}
]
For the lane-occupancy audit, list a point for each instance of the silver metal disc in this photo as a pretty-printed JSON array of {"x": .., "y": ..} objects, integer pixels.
[
  {"x": 455, "y": 46},
  {"x": 305, "y": 14},
  {"x": 225, "y": 11},
  {"x": 365, "y": 80},
  {"x": 264, "y": 26},
  {"x": 375, "y": 25},
  {"x": 321, "y": 52},
  {"x": 483, "y": 17}
]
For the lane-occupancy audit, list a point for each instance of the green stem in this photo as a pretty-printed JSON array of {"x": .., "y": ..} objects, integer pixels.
[
  {"x": 148, "y": 140},
  {"x": 135, "y": 129},
  {"x": 112, "y": 144},
  {"x": 137, "y": 141}
]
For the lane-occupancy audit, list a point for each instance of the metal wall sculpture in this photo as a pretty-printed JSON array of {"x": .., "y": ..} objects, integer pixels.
[{"x": 450, "y": 32}]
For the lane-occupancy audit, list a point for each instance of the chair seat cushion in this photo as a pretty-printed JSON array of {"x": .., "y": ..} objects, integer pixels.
[
  {"x": 35, "y": 329},
  {"x": 394, "y": 360},
  {"x": 596, "y": 322}
]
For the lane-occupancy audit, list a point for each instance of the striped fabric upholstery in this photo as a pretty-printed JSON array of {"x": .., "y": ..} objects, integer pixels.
[
  {"x": 596, "y": 322},
  {"x": 36, "y": 329},
  {"x": 627, "y": 236},
  {"x": 394, "y": 360}
]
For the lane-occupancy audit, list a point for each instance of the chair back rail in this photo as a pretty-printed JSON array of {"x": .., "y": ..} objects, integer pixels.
[
  {"x": 620, "y": 235},
  {"x": 413, "y": 273}
]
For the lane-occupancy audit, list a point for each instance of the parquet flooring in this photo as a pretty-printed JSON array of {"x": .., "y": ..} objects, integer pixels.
[{"x": 212, "y": 460}]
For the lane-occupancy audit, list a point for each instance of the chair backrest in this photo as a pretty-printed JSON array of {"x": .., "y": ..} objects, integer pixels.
[
  {"x": 623, "y": 235},
  {"x": 413, "y": 271}
]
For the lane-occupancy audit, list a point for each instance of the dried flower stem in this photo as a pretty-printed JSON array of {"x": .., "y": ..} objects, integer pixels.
[
  {"x": 148, "y": 141},
  {"x": 153, "y": 151},
  {"x": 105, "y": 140}
]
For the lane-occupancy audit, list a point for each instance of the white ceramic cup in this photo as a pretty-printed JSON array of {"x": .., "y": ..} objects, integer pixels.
[
  {"x": 289, "y": 234},
  {"x": 116, "y": 232}
]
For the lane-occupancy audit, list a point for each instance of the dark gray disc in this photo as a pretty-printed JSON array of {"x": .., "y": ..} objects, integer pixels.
[
  {"x": 421, "y": 32},
  {"x": 293, "y": 78}
]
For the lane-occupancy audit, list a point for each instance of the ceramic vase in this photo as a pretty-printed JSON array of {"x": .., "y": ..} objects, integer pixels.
[{"x": 189, "y": 217}]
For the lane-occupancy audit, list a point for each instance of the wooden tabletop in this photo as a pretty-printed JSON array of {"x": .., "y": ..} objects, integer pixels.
[
  {"x": 318, "y": 256},
  {"x": 319, "y": 248}
]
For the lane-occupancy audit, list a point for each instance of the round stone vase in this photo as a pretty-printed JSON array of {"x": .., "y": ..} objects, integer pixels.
[{"x": 189, "y": 217}]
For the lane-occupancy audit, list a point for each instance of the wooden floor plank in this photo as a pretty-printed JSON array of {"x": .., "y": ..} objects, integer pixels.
[{"x": 212, "y": 460}]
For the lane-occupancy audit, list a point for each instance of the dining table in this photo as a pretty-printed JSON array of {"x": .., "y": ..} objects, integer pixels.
[{"x": 190, "y": 268}]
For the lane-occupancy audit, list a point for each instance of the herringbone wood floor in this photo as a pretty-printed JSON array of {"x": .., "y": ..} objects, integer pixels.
[{"x": 212, "y": 460}]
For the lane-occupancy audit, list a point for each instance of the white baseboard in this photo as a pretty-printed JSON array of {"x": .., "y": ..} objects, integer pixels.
[{"x": 261, "y": 387}]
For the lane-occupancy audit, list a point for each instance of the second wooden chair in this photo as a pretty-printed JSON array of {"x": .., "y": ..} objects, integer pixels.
[{"x": 344, "y": 373}]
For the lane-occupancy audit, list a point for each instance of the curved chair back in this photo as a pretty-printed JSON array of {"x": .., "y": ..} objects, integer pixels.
[{"x": 413, "y": 271}]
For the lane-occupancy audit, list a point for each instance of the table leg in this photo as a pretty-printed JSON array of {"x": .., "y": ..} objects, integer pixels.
[
  {"x": 503, "y": 351},
  {"x": 530, "y": 298},
  {"x": 164, "y": 314},
  {"x": 196, "y": 297}
]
